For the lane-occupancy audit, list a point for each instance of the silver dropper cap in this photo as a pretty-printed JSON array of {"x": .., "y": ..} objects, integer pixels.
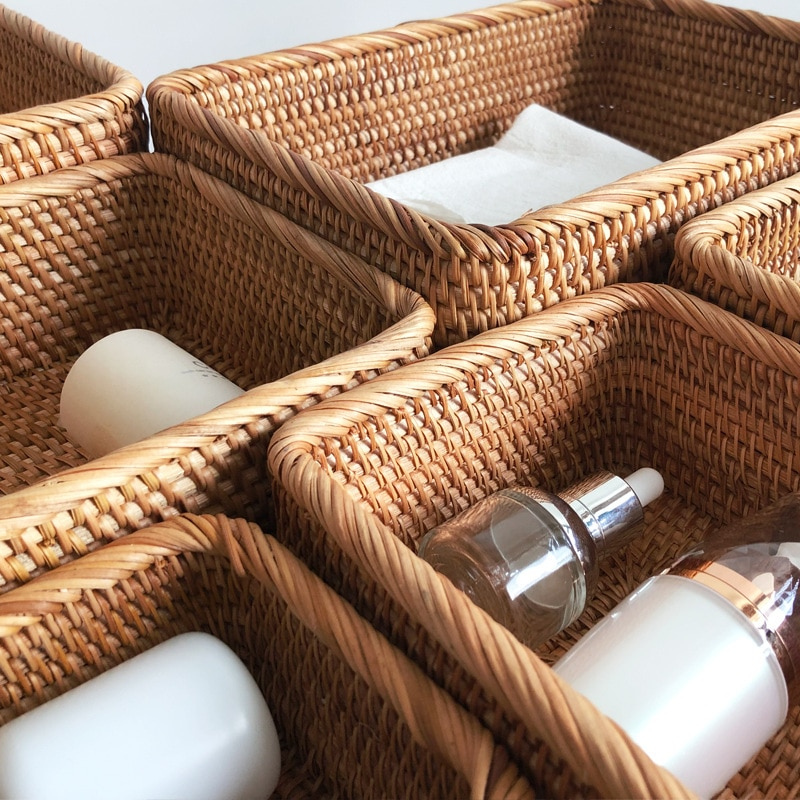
[{"x": 610, "y": 506}]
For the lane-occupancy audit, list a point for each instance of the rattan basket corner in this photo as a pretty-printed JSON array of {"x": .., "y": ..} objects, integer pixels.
[{"x": 745, "y": 257}]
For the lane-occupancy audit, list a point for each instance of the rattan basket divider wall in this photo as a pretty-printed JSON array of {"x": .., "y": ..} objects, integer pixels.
[
  {"x": 745, "y": 257},
  {"x": 303, "y": 129},
  {"x": 627, "y": 376},
  {"x": 144, "y": 240},
  {"x": 356, "y": 718},
  {"x": 60, "y": 104}
]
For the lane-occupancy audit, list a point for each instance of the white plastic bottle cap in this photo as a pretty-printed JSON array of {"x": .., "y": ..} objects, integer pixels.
[
  {"x": 647, "y": 484},
  {"x": 183, "y": 719},
  {"x": 132, "y": 384}
]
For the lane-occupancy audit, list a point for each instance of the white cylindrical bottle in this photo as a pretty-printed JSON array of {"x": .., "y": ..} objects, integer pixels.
[
  {"x": 183, "y": 719},
  {"x": 699, "y": 664},
  {"x": 134, "y": 383},
  {"x": 530, "y": 558}
]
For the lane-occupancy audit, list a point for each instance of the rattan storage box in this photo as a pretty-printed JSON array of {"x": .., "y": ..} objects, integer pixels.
[
  {"x": 355, "y": 717},
  {"x": 304, "y": 129},
  {"x": 627, "y": 376},
  {"x": 61, "y": 105},
  {"x": 144, "y": 240},
  {"x": 745, "y": 257}
]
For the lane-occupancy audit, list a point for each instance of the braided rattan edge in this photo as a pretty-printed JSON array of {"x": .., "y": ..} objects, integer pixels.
[{"x": 705, "y": 266}]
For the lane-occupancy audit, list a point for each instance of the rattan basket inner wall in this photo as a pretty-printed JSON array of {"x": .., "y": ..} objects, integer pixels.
[
  {"x": 628, "y": 376},
  {"x": 61, "y": 105},
  {"x": 144, "y": 240},
  {"x": 745, "y": 257},
  {"x": 338, "y": 691},
  {"x": 303, "y": 129}
]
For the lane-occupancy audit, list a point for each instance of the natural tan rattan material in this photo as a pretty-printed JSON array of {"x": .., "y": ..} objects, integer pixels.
[
  {"x": 355, "y": 717},
  {"x": 303, "y": 129},
  {"x": 61, "y": 105},
  {"x": 627, "y": 376},
  {"x": 745, "y": 256},
  {"x": 144, "y": 240}
]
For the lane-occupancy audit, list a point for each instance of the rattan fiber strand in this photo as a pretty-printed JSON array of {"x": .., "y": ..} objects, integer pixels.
[
  {"x": 145, "y": 240},
  {"x": 351, "y": 709},
  {"x": 624, "y": 377},
  {"x": 745, "y": 257},
  {"x": 303, "y": 129},
  {"x": 60, "y": 104}
]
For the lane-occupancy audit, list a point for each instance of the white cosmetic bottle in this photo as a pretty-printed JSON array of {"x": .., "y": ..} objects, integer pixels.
[
  {"x": 184, "y": 719},
  {"x": 699, "y": 664},
  {"x": 530, "y": 558},
  {"x": 132, "y": 384}
]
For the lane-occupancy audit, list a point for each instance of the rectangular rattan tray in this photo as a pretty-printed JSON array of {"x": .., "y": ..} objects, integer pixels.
[
  {"x": 61, "y": 105},
  {"x": 303, "y": 130},
  {"x": 627, "y": 376},
  {"x": 355, "y": 717},
  {"x": 745, "y": 256},
  {"x": 144, "y": 240}
]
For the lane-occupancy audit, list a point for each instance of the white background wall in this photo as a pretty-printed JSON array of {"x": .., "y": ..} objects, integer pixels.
[{"x": 152, "y": 37}]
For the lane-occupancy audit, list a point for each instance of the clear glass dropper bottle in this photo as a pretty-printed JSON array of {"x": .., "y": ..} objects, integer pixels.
[{"x": 530, "y": 557}]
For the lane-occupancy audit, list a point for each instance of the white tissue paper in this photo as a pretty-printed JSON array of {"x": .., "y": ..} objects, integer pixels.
[{"x": 543, "y": 159}]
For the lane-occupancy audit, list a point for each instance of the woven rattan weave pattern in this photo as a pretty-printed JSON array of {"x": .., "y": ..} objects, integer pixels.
[
  {"x": 61, "y": 105},
  {"x": 303, "y": 129},
  {"x": 627, "y": 376},
  {"x": 745, "y": 257},
  {"x": 355, "y": 717},
  {"x": 147, "y": 241}
]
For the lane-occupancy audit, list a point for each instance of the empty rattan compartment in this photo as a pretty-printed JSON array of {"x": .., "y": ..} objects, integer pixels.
[
  {"x": 745, "y": 257},
  {"x": 304, "y": 129},
  {"x": 144, "y": 240},
  {"x": 628, "y": 376},
  {"x": 355, "y": 717},
  {"x": 60, "y": 104}
]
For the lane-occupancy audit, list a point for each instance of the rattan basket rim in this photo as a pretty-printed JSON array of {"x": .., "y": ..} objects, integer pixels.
[
  {"x": 699, "y": 244},
  {"x": 122, "y": 93},
  {"x": 336, "y": 416},
  {"x": 434, "y": 719},
  {"x": 38, "y": 503}
]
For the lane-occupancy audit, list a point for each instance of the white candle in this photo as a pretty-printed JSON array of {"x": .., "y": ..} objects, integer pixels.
[
  {"x": 686, "y": 675},
  {"x": 132, "y": 384},
  {"x": 182, "y": 720}
]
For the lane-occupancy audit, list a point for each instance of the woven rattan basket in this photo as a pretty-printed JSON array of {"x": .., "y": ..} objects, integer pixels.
[
  {"x": 745, "y": 256},
  {"x": 61, "y": 105},
  {"x": 627, "y": 376},
  {"x": 304, "y": 129},
  {"x": 144, "y": 240},
  {"x": 355, "y": 717}
]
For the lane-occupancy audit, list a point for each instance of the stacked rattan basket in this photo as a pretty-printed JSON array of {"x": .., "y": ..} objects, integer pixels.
[
  {"x": 61, "y": 105},
  {"x": 302, "y": 130},
  {"x": 398, "y": 369}
]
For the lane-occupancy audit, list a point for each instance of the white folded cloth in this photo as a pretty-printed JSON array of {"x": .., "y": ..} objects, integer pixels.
[{"x": 544, "y": 158}]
